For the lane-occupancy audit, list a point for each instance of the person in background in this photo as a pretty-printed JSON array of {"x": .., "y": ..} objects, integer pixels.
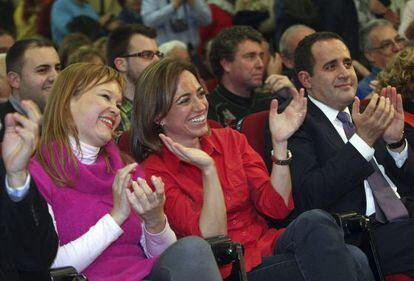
[
  {"x": 380, "y": 42},
  {"x": 131, "y": 48},
  {"x": 399, "y": 74},
  {"x": 32, "y": 66},
  {"x": 177, "y": 20},
  {"x": 175, "y": 48}
]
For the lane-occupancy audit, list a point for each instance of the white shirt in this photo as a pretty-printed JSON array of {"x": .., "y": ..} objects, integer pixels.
[{"x": 364, "y": 149}]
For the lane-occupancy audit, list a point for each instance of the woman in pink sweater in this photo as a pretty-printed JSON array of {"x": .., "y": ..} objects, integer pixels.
[{"x": 91, "y": 192}]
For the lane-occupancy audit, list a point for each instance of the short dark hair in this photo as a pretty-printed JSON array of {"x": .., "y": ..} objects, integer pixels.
[
  {"x": 304, "y": 60},
  {"x": 15, "y": 55},
  {"x": 118, "y": 40},
  {"x": 225, "y": 45}
]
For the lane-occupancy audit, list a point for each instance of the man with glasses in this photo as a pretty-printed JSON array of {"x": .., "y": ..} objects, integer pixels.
[
  {"x": 380, "y": 42},
  {"x": 130, "y": 49}
]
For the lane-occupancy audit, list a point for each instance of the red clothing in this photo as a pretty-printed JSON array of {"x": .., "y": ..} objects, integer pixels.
[
  {"x": 220, "y": 19},
  {"x": 248, "y": 193}
]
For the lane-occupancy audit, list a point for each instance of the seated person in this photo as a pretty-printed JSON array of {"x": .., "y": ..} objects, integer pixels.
[
  {"x": 399, "y": 74},
  {"x": 91, "y": 192},
  {"x": 216, "y": 184},
  {"x": 28, "y": 241},
  {"x": 352, "y": 160}
]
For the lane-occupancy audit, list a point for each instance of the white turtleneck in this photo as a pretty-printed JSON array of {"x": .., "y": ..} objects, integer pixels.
[{"x": 81, "y": 252}]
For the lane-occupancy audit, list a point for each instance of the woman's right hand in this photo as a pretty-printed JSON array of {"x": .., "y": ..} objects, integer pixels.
[
  {"x": 122, "y": 181},
  {"x": 193, "y": 156}
]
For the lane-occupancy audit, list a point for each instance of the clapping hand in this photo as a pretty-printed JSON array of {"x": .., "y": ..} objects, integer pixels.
[
  {"x": 21, "y": 135},
  {"x": 283, "y": 125},
  {"x": 122, "y": 181},
  {"x": 149, "y": 204},
  {"x": 194, "y": 156},
  {"x": 394, "y": 132}
]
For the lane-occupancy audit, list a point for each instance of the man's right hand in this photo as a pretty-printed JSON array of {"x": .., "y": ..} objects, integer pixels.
[{"x": 374, "y": 120}]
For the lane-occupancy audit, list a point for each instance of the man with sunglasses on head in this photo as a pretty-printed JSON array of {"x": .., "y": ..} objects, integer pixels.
[
  {"x": 130, "y": 49},
  {"x": 380, "y": 42}
]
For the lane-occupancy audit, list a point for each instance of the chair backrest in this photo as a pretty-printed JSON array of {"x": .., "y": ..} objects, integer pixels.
[{"x": 253, "y": 127}]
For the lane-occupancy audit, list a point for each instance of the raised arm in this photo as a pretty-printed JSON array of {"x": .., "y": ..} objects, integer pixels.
[{"x": 282, "y": 126}]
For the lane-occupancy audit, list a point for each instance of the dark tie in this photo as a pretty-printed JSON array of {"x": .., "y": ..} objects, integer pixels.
[{"x": 388, "y": 205}]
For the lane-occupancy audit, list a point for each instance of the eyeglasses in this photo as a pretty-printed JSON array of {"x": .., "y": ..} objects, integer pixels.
[
  {"x": 147, "y": 54},
  {"x": 387, "y": 45}
]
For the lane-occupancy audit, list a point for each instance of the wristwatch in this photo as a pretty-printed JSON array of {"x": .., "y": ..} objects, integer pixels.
[
  {"x": 397, "y": 144},
  {"x": 283, "y": 162}
]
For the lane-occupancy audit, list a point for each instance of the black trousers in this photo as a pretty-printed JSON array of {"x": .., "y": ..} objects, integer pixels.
[
  {"x": 395, "y": 245},
  {"x": 313, "y": 248}
]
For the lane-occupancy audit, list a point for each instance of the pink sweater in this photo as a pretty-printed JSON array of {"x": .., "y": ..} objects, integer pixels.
[{"x": 77, "y": 209}]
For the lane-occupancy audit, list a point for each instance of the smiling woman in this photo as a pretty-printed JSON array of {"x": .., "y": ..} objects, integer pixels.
[
  {"x": 216, "y": 184},
  {"x": 90, "y": 191}
]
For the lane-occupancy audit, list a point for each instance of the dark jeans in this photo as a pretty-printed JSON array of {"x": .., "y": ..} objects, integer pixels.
[
  {"x": 313, "y": 248},
  {"x": 189, "y": 258}
]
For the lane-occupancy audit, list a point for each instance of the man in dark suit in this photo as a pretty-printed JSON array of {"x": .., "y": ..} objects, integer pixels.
[
  {"x": 331, "y": 167},
  {"x": 28, "y": 241}
]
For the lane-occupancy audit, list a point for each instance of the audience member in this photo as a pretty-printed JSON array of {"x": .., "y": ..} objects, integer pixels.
[
  {"x": 216, "y": 184},
  {"x": 70, "y": 44},
  {"x": 236, "y": 58},
  {"x": 221, "y": 17},
  {"x": 26, "y": 17},
  {"x": 176, "y": 20},
  {"x": 287, "y": 46},
  {"x": 345, "y": 163},
  {"x": 86, "y": 54},
  {"x": 131, "y": 48},
  {"x": 399, "y": 74},
  {"x": 6, "y": 40},
  {"x": 77, "y": 164},
  {"x": 32, "y": 66},
  {"x": 28, "y": 241},
  {"x": 407, "y": 18},
  {"x": 100, "y": 45},
  {"x": 175, "y": 48},
  {"x": 65, "y": 12},
  {"x": 131, "y": 11},
  {"x": 5, "y": 89},
  {"x": 380, "y": 43}
]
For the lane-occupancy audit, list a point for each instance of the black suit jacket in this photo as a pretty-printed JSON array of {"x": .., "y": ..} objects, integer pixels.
[
  {"x": 28, "y": 241},
  {"x": 329, "y": 174}
]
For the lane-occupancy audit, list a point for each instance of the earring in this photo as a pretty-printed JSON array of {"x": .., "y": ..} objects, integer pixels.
[{"x": 162, "y": 123}]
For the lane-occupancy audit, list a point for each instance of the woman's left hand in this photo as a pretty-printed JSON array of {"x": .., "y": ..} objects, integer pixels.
[
  {"x": 149, "y": 204},
  {"x": 194, "y": 156},
  {"x": 283, "y": 125}
]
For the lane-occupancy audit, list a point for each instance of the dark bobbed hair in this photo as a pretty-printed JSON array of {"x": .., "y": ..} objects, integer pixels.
[
  {"x": 153, "y": 99},
  {"x": 225, "y": 45},
  {"x": 304, "y": 60},
  {"x": 119, "y": 38}
]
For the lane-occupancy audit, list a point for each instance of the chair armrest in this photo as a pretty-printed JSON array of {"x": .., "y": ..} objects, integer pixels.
[{"x": 67, "y": 273}]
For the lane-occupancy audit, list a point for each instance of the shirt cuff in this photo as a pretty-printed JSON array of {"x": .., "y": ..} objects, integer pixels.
[
  {"x": 112, "y": 225},
  {"x": 155, "y": 244},
  {"x": 363, "y": 148},
  {"x": 400, "y": 157},
  {"x": 17, "y": 194}
]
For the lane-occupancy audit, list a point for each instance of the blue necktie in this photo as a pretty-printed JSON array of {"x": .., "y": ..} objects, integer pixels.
[{"x": 388, "y": 206}]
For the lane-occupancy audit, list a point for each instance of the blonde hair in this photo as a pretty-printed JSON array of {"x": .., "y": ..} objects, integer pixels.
[
  {"x": 399, "y": 73},
  {"x": 54, "y": 149}
]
